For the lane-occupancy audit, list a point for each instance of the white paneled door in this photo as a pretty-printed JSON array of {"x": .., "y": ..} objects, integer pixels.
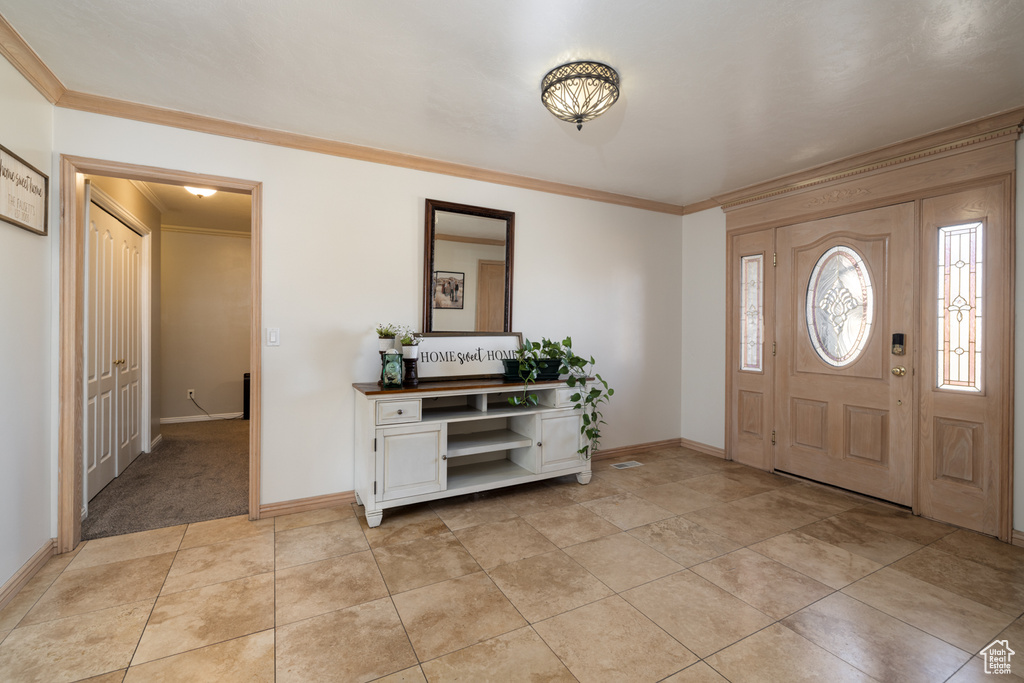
[{"x": 113, "y": 348}]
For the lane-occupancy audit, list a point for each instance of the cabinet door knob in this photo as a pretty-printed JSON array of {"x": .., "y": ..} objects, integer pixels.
[
  {"x": 539, "y": 443},
  {"x": 444, "y": 457},
  {"x": 399, "y": 411}
]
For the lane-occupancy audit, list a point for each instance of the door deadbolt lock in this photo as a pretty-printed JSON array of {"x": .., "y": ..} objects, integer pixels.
[{"x": 899, "y": 371}]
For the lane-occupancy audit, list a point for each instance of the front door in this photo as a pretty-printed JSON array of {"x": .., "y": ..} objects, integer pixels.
[{"x": 844, "y": 402}]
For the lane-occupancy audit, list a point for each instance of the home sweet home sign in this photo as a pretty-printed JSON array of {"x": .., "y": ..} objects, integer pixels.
[{"x": 451, "y": 356}]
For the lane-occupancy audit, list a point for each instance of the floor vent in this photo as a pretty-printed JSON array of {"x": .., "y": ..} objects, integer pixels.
[{"x": 627, "y": 465}]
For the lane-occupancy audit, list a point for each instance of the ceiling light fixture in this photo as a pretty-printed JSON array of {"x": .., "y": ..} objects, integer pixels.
[
  {"x": 580, "y": 91},
  {"x": 200, "y": 191}
]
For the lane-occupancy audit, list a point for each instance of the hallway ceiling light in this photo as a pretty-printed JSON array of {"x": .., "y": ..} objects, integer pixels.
[
  {"x": 200, "y": 191},
  {"x": 580, "y": 91}
]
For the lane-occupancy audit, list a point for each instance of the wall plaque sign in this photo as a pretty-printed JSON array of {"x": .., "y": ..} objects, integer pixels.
[
  {"x": 23, "y": 193},
  {"x": 451, "y": 355}
]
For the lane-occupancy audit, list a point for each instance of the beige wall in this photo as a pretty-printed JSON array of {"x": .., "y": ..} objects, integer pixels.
[
  {"x": 325, "y": 284},
  {"x": 703, "y": 331},
  {"x": 133, "y": 201},
  {"x": 28, "y": 273},
  {"x": 207, "y": 300}
]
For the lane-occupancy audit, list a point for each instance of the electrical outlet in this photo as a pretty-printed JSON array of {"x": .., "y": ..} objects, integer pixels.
[{"x": 191, "y": 394}]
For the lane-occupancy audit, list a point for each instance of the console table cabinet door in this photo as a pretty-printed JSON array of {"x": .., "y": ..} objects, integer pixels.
[
  {"x": 409, "y": 461},
  {"x": 559, "y": 442}
]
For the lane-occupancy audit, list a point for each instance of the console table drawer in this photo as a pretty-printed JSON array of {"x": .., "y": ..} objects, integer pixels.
[{"x": 397, "y": 412}]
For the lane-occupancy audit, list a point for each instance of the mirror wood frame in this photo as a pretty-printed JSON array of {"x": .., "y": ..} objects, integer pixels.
[{"x": 430, "y": 220}]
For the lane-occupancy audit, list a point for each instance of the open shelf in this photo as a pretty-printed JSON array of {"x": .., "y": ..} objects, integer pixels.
[
  {"x": 484, "y": 442},
  {"x": 483, "y": 474},
  {"x": 451, "y": 414}
]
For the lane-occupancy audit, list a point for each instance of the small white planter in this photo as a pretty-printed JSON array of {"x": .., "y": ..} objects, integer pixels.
[
  {"x": 386, "y": 344},
  {"x": 410, "y": 351}
]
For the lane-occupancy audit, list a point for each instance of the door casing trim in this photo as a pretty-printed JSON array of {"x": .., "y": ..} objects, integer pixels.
[{"x": 71, "y": 332}]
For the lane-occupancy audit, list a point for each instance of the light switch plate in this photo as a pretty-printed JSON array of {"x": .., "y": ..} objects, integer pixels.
[{"x": 273, "y": 336}]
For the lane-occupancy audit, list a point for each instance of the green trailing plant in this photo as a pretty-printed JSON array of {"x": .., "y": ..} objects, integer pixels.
[{"x": 593, "y": 392}]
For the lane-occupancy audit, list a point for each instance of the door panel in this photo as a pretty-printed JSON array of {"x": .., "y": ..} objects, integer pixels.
[
  {"x": 112, "y": 435},
  {"x": 749, "y": 421},
  {"x": 411, "y": 463},
  {"x": 490, "y": 296},
  {"x": 99, "y": 436},
  {"x": 963, "y": 379},
  {"x": 842, "y": 416},
  {"x": 129, "y": 338}
]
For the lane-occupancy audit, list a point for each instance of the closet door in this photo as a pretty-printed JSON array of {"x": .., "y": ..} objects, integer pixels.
[
  {"x": 844, "y": 402},
  {"x": 101, "y": 368}
]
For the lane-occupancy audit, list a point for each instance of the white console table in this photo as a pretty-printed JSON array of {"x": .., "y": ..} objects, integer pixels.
[{"x": 447, "y": 438}]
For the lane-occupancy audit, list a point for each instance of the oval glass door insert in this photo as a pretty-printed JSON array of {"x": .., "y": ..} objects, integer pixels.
[{"x": 840, "y": 306}]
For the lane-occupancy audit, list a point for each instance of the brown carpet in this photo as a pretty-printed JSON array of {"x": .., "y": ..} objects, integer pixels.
[{"x": 199, "y": 471}]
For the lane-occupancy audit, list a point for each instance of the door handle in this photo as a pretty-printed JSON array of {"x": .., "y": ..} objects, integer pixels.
[{"x": 899, "y": 371}]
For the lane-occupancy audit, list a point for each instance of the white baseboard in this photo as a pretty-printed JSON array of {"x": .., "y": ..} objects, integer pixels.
[
  {"x": 199, "y": 418},
  {"x": 156, "y": 442}
]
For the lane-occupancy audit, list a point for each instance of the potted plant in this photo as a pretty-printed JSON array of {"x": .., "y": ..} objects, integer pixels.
[
  {"x": 410, "y": 343},
  {"x": 544, "y": 357},
  {"x": 386, "y": 336},
  {"x": 534, "y": 357}
]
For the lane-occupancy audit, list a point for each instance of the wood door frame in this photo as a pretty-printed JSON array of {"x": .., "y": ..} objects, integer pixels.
[
  {"x": 980, "y": 153},
  {"x": 72, "y": 326}
]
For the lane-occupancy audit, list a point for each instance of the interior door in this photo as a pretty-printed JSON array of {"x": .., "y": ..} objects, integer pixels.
[
  {"x": 99, "y": 435},
  {"x": 844, "y": 402},
  {"x": 129, "y": 341},
  {"x": 113, "y": 403},
  {"x": 490, "y": 296}
]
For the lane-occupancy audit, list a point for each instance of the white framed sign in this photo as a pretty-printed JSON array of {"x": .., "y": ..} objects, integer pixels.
[
  {"x": 458, "y": 355},
  {"x": 23, "y": 193}
]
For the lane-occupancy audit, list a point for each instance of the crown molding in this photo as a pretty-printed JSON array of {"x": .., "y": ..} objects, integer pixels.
[
  {"x": 150, "y": 196},
  {"x": 988, "y": 130},
  {"x": 27, "y": 62},
  {"x": 210, "y": 232},
  {"x": 697, "y": 207},
  {"x": 97, "y": 104}
]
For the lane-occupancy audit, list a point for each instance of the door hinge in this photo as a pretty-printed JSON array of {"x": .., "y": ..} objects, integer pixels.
[
  {"x": 375, "y": 488},
  {"x": 375, "y": 445},
  {"x": 773, "y": 437},
  {"x": 775, "y": 259},
  {"x": 773, "y": 348}
]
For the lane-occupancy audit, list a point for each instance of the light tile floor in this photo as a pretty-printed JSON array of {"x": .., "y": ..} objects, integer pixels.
[{"x": 689, "y": 569}]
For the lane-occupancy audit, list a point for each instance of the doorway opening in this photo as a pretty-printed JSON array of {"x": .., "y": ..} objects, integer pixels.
[
  {"x": 166, "y": 355},
  {"x": 72, "y": 370}
]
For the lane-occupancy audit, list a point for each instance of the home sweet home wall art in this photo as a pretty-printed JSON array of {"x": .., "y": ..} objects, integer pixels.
[{"x": 23, "y": 193}]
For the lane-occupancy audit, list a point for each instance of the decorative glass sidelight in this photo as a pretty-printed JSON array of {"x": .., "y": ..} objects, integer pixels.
[
  {"x": 840, "y": 306},
  {"x": 959, "y": 310},
  {"x": 752, "y": 313}
]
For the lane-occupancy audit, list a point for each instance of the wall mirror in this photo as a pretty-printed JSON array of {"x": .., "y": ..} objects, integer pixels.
[{"x": 467, "y": 268}]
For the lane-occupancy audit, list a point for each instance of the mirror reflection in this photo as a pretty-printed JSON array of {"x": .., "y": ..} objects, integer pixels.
[{"x": 468, "y": 269}]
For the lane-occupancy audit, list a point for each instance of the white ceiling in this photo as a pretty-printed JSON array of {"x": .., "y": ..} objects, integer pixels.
[
  {"x": 221, "y": 211},
  {"x": 716, "y": 94}
]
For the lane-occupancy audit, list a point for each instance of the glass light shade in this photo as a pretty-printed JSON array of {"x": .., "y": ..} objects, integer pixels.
[
  {"x": 201, "y": 191},
  {"x": 580, "y": 91}
]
